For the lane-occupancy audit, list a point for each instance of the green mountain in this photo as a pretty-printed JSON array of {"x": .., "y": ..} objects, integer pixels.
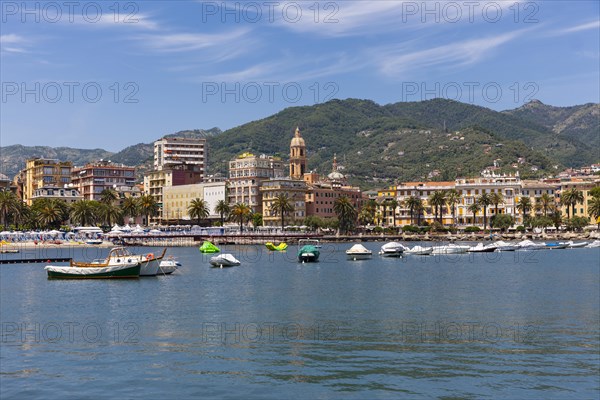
[
  {"x": 578, "y": 123},
  {"x": 381, "y": 144}
]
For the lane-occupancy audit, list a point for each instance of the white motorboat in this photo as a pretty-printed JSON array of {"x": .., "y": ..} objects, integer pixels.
[
  {"x": 505, "y": 246},
  {"x": 94, "y": 241},
  {"x": 450, "y": 249},
  {"x": 392, "y": 249},
  {"x": 419, "y": 251},
  {"x": 557, "y": 246},
  {"x": 480, "y": 248},
  {"x": 529, "y": 245},
  {"x": 594, "y": 244},
  {"x": 358, "y": 252},
  {"x": 576, "y": 245},
  {"x": 224, "y": 260},
  {"x": 168, "y": 266}
]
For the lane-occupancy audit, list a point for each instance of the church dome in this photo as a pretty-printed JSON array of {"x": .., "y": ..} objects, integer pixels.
[
  {"x": 297, "y": 140},
  {"x": 336, "y": 176}
]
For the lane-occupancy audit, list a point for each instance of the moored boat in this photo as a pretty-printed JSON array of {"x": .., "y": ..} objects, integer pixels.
[
  {"x": 529, "y": 245},
  {"x": 124, "y": 270},
  {"x": 308, "y": 250},
  {"x": 505, "y": 246},
  {"x": 94, "y": 241},
  {"x": 392, "y": 249},
  {"x": 209, "y": 248},
  {"x": 280, "y": 247},
  {"x": 358, "y": 252},
  {"x": 119, "y": 255},
  {"x": 419, "y": 251},
  {"x": 168, "y": 266},
  {"x": 450, "y": 249},
  {"x": 224, "y": 260},
  {"x": 576, "y": 245},
  {"x": 480, "y": 248},
  {"x": 594, "y": 244},
  {"x": 557, "y": 246}
]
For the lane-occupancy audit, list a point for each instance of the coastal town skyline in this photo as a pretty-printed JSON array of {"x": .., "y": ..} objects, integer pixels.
[{"x": 206, "y": 64}]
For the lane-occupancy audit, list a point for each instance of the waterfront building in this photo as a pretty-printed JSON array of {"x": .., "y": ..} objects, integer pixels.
[
  {"x": 294, "y": 189},
  {"x": 534, "y": 190},
  {"x": 177, "y": 199},
  {"x": 583, "y": 185},
  {"x": 247, "y": 173},
  {"x": 68, "y": 195},
  {"x": 509, "y": 186},
  {"x": 421, "y": 190},
  {"x": 43, "y": 172},
  {"x": 174, "y": 151},
  {"x": 92, "y": 179},
  {"x": 156, "y": 181},
  {"x": 5, "y": 182}
]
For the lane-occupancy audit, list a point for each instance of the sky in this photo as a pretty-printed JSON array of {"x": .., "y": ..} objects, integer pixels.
[{"x": 112, "y": 74}]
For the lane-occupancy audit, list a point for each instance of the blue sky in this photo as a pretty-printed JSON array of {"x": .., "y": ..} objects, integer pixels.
[{"x": 108, "y": 75}]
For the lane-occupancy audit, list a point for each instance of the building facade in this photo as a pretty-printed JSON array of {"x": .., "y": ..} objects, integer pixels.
[
  {"x": 247, "y": 173},
  {"x": 294, "y": 189},
  {"x": 172, "y": 151},
  {"x": 297, "y": 156},
  {"x": 68, "y": 195},
  {"x": 177, "y": 199},
  {"x": 91, "y": 179},
  {"x": 42, "y": 173}
]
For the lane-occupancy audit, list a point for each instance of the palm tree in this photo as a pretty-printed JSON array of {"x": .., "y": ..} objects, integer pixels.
[
  {"x": 365, "y": 216},
  {"x": 570, "y": 198},
  {"x": 198, "y": 208},
  {"x": 544, "y": 203},
  {"x": 346, "y": 213},
  {"x": 453, "y": 198},
  {"x": 281, "y": 205},
  {"x": 108, "y": 213},
  {"x": 8, "y": 205},
  {"x": 394, "y": 205},
  {"x": 474, "y": 208},
  {"x": 496, "y": 198},
  {"x": 484, "y": 201},
  {"x": 413, "y": 203},
  {"x": 241, "y": 212},
  {"x": 49, "y": 212},
  {"x": 84, "y": 212},
  {"x": 222, "y": 208},
  {"x": 594, "y": 209},
  {"x": 147, "y": 206},
  {"x": 524, "y": 205},
  {"x": 108, "y": 196},
  {"x": 438, "y": 200},
  {"x": 130, "y": 207}
]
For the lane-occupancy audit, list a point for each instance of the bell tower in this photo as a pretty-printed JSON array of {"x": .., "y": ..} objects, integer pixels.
[{"x": 297, "y": 156}]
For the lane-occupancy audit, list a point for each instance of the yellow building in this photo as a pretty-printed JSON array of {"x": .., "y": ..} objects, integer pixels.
[
  {"x": 297, "y": 156},
  {"x": 534, "y": 190},
  {"x": 583, "y": 185},
  {"x": 421, "y": 190},
  {"x": 295, "y": 190},
  {"x": 44, "y": 173},
  {"x": 177, "y": 199},
  {"x": 508, "y": 186}
]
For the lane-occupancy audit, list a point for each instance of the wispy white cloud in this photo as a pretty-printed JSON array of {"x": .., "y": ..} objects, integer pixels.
[
  {"x": 185, "y": 42},
  {"x": 396, "y": 60},
  {"x": 12, "y": 43},
  {"x": 581, "y": 27}
]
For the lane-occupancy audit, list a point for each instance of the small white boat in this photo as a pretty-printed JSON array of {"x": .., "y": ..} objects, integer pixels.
[
  {"x": 594, "y": 244},
  {"x": 529, "y": 245},
  {"x": 576, "y": 245},
  {"x": 480, "y": 248},
  {"x": 224, "y": 260},
  {"x": 168, "y": 266},
  {"x": 94, "y": 241},
  {"x": 505, "y": 246},
  {"x": 392, "y": 249},
  {"x": 358, "y": 252},
  {"x": 450, "y": 249},
  {"x": 419, "y": 251},
  {"x": 557, "y": 246}
]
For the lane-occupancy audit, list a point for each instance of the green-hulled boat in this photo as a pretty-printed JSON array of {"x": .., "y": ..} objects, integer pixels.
[
  {"x": 208, "y": 247},
  {"x": 309, "y": 250},
  {"x": 126, "y": 270}
]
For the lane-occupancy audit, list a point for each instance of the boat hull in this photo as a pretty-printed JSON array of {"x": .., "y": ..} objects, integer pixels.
[
  {"x": 123, "y": 272},
  {"x": 391, "y": 253},
  {"x": 308, "y": 253},
  {"x": 357, "y": 257}
]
